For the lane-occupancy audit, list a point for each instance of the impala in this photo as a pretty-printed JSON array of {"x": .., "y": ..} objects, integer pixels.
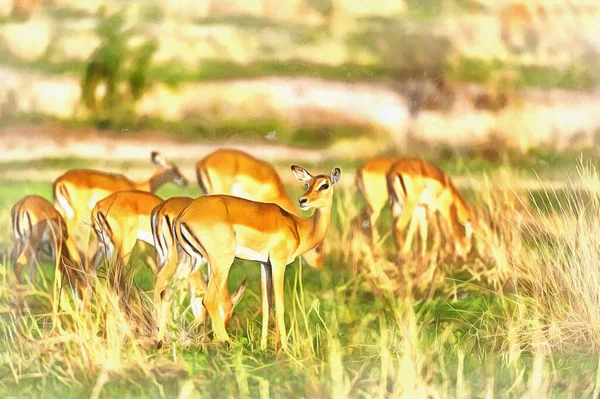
[
  {"x": 170, "y": 260},
  {"x": 120, "y": 220},
  {"x": 77, "y": 191},
  {"x": 123, "y": 218},
  {"x": 168, "y": 257},
  {"x": 237, "y": 173},
  {"x": 220, "y": 228},
  {"x": 38, "y": 227},
  {"x": 371, "y": 180},
  {"x": 419, "y": 189}
]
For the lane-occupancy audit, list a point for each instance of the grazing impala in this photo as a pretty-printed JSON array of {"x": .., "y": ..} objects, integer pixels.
[
  {"x": 419, "y": 189},
  {"x": 120, "y": 220},
  {"x": 37, "y": 226},
  {"x": 220, "y": 228},
  {"x": 168, "y": 257},
  {"x": 170, "y": 260},
  {"x": 237, "y": 173},
  {"x": 371, "y": 180},
  {"x": 123, "y": 218},
  {"x": 77, "y": 191}
]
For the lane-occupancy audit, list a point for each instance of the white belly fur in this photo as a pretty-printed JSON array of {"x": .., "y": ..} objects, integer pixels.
[
  {"x": 146, "y": 236},
  {"x": 249, "y": 254}
]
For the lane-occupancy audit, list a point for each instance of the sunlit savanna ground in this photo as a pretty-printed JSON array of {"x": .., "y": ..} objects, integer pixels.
[{"x": 520, "y": 318}]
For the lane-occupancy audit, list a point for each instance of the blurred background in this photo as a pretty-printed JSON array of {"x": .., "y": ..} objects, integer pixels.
[{"x": 338, "y": 78}]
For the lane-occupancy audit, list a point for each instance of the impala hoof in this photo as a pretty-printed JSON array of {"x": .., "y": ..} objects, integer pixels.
[
  {"x": 159, "y": 344},
  {"x": 226, "y": 345}
]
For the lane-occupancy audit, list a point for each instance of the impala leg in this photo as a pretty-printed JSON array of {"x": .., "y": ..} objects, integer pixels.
[
  {"x": 412, "y": 228},
  {"x": 161, "y": 300},
  {"x": 15, "y": 254},
  {"x": 437, "y": 238},
  {"x": 125, "y": 244},
  {"x": 164, "y": 274},
  {"x": 25, "y": 257},
  {"x": 266, "y": 286},
  {"x": 373, "y": 217},
  {"x": 92, "y": 249},
  {"x": 79, "y": 272},
  {"x": 458, "y": 233},
  {"x": 423, "y": 227},
  {"x": 402, "y": 212},
  {"x": 38, "y": 244},
  {"x": 32, "y": 269},
  {"x": 73, "y": 227},
  {"x": 278, "y": 270},
  {"x": 197, "y": 285},
  {"x": 217, "y": 301},
  {"x": 126, "y": 247}
]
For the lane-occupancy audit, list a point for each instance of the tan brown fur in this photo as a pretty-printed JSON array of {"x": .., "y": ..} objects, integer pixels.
[
  {"x": 169, "y": 259},
  {"x": 220, "y": 228},
  {"x": 237, "y": 173},
  {"x": 35, "y": 223},
  {"x": 371, "y": 180},
  {"x": 418, "y": 190},
  {"x": 77, "y": 191},
  {"x": 120, "y": 220}
]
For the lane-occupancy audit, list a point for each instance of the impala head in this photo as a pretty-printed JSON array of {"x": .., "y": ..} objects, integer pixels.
[
  {"x": 170, "y": 171},
  {"x": 319, "y": 188}
]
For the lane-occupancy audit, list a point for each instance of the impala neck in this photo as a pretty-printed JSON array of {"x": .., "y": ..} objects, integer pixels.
[
  {"x": 287, "y": 205},
  {"x": 285, "y": 202},
  {"x": 312, "y": 230},
  {"x": 159, "y": 178}
]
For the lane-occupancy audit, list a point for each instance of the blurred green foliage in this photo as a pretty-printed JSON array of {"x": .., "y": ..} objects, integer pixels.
[
  {"x": 113, "y": 63},
  {"x": 583, "y": 75}
]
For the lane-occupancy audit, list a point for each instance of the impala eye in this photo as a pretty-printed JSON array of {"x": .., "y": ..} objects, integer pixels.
[{"x": 323, "y": 187}]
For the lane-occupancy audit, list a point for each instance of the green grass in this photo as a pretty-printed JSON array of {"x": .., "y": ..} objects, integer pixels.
[
  {"x": 411, "y": 63},
  {"x": 578, "y": 76},
  {"x": 347, "y": 333}
]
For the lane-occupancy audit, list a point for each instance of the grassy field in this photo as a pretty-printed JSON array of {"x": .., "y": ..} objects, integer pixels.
[{"x": 518, "y": 319}]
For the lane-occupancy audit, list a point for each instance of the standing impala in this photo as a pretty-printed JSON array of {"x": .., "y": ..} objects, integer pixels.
[
  {"x": 220, "y": 228},
  {"x": 237, "y": 173},
  {"x": 37, "y": 226},
  {"x": 171, "y": 260},
  {"x": 419, "y": 189},
  {"x": 77, "y": 191}
]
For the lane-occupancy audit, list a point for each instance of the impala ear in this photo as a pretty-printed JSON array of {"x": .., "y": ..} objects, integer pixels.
[
  {"x": 301, "y": 173},
  {"x": 335, "y": 176},
  {"x": 158, "y": 159}
]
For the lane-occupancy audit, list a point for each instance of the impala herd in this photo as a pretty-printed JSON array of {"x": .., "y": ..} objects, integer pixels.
[{"x": 245, "y": 214}]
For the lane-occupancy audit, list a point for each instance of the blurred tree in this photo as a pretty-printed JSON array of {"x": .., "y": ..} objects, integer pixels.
[{"x": 116, "y": 74}]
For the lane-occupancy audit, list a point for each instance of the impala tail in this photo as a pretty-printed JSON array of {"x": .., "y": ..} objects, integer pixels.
[
  {"x": 192, "y": 246},
  {"x": 203, "y": 179},
  {"x": 162, "y": 235},
  {"x": 63, "y": 199},
  {"x": 101, "y": 225}
]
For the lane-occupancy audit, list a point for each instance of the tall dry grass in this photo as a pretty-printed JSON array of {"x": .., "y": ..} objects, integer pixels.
[{"x": 372, "y": 332}]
